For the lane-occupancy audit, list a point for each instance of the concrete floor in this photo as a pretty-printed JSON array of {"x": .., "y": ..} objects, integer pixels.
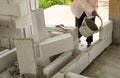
[{"x": 107, "y": 65}]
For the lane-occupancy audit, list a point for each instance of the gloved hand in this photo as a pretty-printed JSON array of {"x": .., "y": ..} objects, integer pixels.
[{"x": 94, "y": 13}]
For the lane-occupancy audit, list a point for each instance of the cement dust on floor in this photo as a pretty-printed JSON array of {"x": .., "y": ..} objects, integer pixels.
[{"x": 107, "y": 65}]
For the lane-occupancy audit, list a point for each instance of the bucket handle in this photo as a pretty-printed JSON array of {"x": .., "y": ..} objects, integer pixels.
[{"x": 101, "y": 22}]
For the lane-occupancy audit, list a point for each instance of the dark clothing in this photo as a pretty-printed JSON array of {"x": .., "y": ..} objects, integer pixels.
[{"x": 78, "y": 23}]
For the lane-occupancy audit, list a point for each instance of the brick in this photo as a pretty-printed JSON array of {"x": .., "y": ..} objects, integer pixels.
[
  {"x": 77, "y": 65},
  {"x": 56, "y": 45},
  {"x": 26, "y": 57},
  {"x": 38, "y": 22},
  {"x": 56, "y": 65}
]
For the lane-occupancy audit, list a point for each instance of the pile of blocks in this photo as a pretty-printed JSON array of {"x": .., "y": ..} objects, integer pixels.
[
  {"x": 44, "y": 52},
  {"x": 15, "y": 22},
  {"x": 35, "y": 53}
]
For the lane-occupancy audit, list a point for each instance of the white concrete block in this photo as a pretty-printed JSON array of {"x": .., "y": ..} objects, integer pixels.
[
  {"x": 77, "y": 65},
  {"x": 32, "y": 4},
  {"x": 74, "y": 75},
  {"x": 40, "y": 71},
  {"x": 22, "y": 21},
  {"x": 107, "y": 27},
  {"x": 26, "y": 57},
  {"x": 20, "y": 9},
  {"x": 39, "y": 25},
  {"x": 15, "y": 22},
  {"x": 59, "y": 75},
  {"x": 43, "y": 61},
  {"x": 16, "y": 1},
  {"x": 7, "y": 43},
  {"x": 56, "y": 65},
  {"x": 4, "y": 51},
  {"x": 54, "y": 33},
  {"x": 7, "y": 59},
  {"x": 36, "y": 4},
  {"x": 12, "y": 45},
  {"x": 11, "y": 32},
  {"x": 6, "y": 21},
  {"x": 2, "y": 42},
  {"x": 72, "y": 30},
  {"x": 56, "y": 45},
  {"x": 3, "y": 1},
  {"x": 95, "y": 49},
  {"x": 40, "y": 61},
  {"x": 28, "y": 31}
]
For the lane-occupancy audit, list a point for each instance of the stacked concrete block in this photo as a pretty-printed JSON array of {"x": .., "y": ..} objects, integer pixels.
[
  {"x": 15, "y": 22},
  {"x": 106, "y": 33},
  {"x": 20, "y": 9},
  {"x": 57, "y": 64},
  {"x": 17, "y": 7},
  {"x": 56, "y": 45},
  {"x": 15, "y": 18},
  {"x": 77, "y": 65},
  {"x": 25, "y": 55},
  {"x": 36, "y": 49},
  {"x": 39, "y": 29},
  {"x": 74, "y": 75},
  {"x": 53, "y": 31},
  {"x": 32, "y": 3},
  {"x": 104, "y": 42},
  {"x": 59, "y": 75},
  {"x": 96, "y": 49},
  {"x": 6, "y": 43},
  {"x": 68, "y": 75},
  {"x": 3, "y": 1},
  {"x": 7, "y": 58}
]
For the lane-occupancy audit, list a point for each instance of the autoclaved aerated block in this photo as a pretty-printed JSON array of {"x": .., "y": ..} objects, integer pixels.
[
  {"x": 56, "y": 45},
  {"x": 57, "y": 64},
  {"x": 20, "y": 9}
]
